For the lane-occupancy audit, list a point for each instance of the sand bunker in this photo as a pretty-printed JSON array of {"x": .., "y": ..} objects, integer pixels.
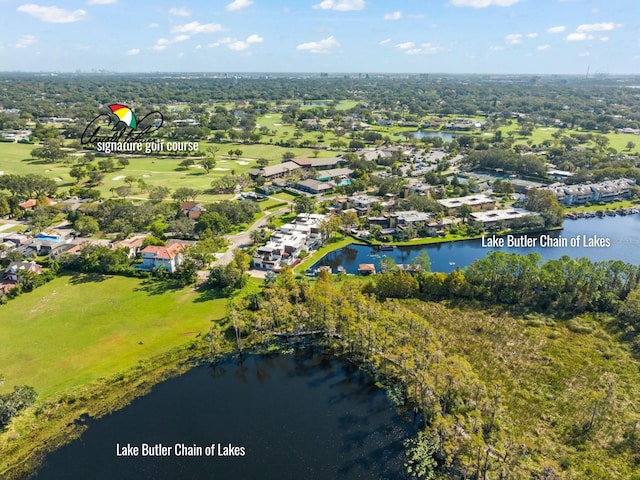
[
  {"x": 242, "y": 162},
  {"x": 222, "y": 169},
  {"x": 119, "y": 177}
]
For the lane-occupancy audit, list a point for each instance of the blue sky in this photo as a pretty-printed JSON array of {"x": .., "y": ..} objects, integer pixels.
[{"x": 449, "y": 36}]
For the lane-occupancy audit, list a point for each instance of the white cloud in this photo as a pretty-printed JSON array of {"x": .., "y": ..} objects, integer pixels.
[
  {"x": 154, "y": 25},
  {"x": 384, "y": 42},
  {"x": 543, "y": 47},
  {"x": 604, "y": 39},
  {"x": 322, "y": 46},
  {"x": 341, "y": 5},
  {"x": 426, "y": 48},
  {"x": 405, "y": 45},
  {"x": 197, "y": 27},
  {"x": 514, "y": 38},
  {"x": 163, "y": 43},
  {"x": 496, "y": 48},
  {"x": 558, "y": 29},
  {"x": 238, "y": 5},
  {"x": 483, "y": 3},
  {"x": 577, "y": 37},
  {"x": 410, "y": 48},
  {"x": 133, "y": 52},
  {"x": 26, "y": 41},
  {"x": 52, "y": 14},
  {"x": 222, "y": 41},
  {"x": 235, "y": 44},
  {"x": 584, "y": 54},
  {"x": 597, "y": 27},
  {"x": 180, "y": 12},
  {"x": 101, "y": 2},
  {"x": 238, "y": 45},
  {"x": 393, "y": 16},
  {"x": 254, "y": 39}
]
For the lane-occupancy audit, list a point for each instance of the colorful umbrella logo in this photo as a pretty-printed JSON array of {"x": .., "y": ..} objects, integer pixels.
[{"x": 125, "y": 114}]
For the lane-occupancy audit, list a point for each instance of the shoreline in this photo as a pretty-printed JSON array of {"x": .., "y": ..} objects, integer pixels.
[
  {"x": 351, "y": 240},
  {"x": 52, "y": 423}
]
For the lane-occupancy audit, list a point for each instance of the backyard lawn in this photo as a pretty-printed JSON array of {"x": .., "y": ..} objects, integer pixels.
[{"x": 77, "y": 329}]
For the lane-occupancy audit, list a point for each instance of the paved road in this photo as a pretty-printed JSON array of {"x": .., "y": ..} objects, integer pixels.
[{"x": 243, "y": 239}]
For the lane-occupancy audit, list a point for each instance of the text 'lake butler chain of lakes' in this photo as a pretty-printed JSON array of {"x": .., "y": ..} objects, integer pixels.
[{"x": 545, "y": 241}]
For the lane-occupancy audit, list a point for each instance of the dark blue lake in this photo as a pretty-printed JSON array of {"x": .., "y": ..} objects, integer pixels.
[
  {"x": 623, "y": 233},
  {"x": 300, "y": 416}
]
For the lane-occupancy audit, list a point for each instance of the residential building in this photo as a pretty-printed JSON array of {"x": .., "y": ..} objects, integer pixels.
[
  {"x": 507, "y": 216},
  {"x": 409, "y": 218},
  {"x": 606, "y": 191},
  {"x": 274, "y": 171},
  {"x": 16, "y": 269},
  {"x": 192, "y": 210},
  {"x": 314, "y": 187},
  {"x": 169, "y": 257},
  {"x": 132, "y": 245},
  {"x": 476, "y": 202},
  {"x": 319, "y": 163},
  {"x": 305, "y": 233}
]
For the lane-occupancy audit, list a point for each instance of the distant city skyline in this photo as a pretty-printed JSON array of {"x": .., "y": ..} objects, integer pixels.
[{"x": 412, "y": 36}]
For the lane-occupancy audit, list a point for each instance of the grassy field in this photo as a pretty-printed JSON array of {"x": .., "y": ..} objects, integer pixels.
[{"x": 77, "y": 329}]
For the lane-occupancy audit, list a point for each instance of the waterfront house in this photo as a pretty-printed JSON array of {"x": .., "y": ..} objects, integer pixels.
[
  {"x": 506, "y": 216},
  {"x": 366, "y": 269}
]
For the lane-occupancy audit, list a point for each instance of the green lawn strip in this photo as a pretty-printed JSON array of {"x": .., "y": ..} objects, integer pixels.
[
  {"x": 284, "y": 196},
  {"x": 75, "y": 330},
  {"x": 15, "y": 228},
  {"x": 604, "y": 206},
  {"x": 335, "y": 244}
]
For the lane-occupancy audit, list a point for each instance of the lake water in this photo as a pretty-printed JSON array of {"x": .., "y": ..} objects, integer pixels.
[
  {"x": 623, "y": 233},
  {"x": 422, "y": 134},
  {"x": 299, "y": 416}
]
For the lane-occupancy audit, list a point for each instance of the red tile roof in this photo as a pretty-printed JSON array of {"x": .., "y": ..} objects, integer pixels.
[{"x": 164, "y": 253}]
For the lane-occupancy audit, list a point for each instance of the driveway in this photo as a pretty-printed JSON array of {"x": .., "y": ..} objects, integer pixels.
[{"x": 243, "y": 239}]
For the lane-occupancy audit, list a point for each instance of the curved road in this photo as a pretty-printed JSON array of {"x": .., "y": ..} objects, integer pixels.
[{"x": 243, "y": 239}]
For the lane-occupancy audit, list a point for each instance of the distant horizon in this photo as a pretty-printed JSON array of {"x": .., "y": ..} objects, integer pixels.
[
  {"x": 490, "y": 37},
  {"x": 323, "y": 74}
]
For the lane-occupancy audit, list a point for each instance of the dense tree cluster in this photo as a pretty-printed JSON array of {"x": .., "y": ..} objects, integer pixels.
[
  {"x": 30, "y": 185},
  {"x": 507, "y": 161},
  {"x": 12, "y": 403},
  {"x": 473, "y": 427}
]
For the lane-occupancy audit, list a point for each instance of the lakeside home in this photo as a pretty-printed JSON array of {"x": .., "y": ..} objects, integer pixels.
[
  {"x": 606, "y": 191},
  {"x": 305, "y": 233}
]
